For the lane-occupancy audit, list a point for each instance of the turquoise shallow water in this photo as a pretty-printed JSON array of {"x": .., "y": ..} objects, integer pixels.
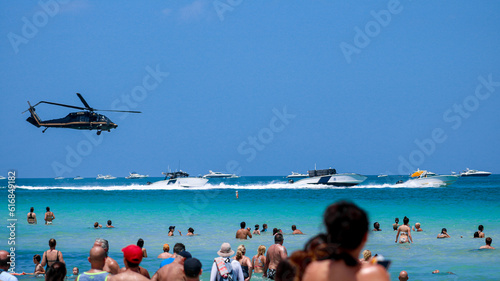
[{"x": 215, "y": 214}]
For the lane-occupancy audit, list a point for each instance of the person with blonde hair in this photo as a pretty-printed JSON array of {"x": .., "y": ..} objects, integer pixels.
[
  {"x": 246, "y": 264},
  {"x": 259, "y": 260},
  {"x": 367, "y": 255}
]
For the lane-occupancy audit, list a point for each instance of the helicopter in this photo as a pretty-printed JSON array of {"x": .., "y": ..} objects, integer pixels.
[{"x": 82, "y": 120}]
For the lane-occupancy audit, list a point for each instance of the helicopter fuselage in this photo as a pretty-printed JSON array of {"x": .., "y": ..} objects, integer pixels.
[{"x": 83, "y": 120}]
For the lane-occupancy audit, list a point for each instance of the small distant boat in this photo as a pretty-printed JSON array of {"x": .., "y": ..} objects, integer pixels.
[
  {"x": 212, "y": 175},
  {"x": 78, "y": 178},
  {"x": 106, "y": 177},
  {"x": 295, "y": 175},
  {"x": 382, "y": 176},
  {"x": 425, "y": 178},
  {"x": 59, "y": 178},
  {"x": 180, "y": 179},
  {"x": 2, "y": 177},
  {"x": 474, "y": 173},
  {"x": 135, "y": 175},
  {"x": 330, "y": 177}
]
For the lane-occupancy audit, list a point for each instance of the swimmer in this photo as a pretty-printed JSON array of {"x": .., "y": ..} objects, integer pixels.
[
  {"x": 97, "y": 225},
  {"x": 480, "y": 229},
  {"x": 295, "y": 230},
  {"x": 140, "y": 243},
  {"x": 256, "y": 231},
  {"x": 264, "y": 228},
  {"x": 405, "y": 232},
  {"x": 443, "y": 234},
  {"x": 417, "y": 227},
  {"x": 32, "y": 216},
  {"x": 243, "y": 232},
  {"x": 190, "y": 232},
  {"x": 476, "y": 234},
  {"x": 49, "y": 216},
  {"x": 165, "y": 254},
  {"x": 376, "y": 227},
  {"x": 396, "y": 224},
  {"x": 76, "y": 271},
  {"x": 403, "y": 276},
  {"x": 488, "y": 241},
  {"x": 38, "y": 267},
  {"x": 109, "y": 224},
  {"x": 171, "y": 230}
]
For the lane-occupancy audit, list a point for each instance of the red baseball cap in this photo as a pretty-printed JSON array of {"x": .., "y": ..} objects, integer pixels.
[{"x": 132, "y": 253}]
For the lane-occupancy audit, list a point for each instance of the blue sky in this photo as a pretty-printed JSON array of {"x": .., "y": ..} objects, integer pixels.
[{"x": 253, "y": 87}]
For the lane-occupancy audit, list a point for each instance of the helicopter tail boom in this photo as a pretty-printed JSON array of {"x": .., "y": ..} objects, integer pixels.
[{"x": 34, "y": 119}]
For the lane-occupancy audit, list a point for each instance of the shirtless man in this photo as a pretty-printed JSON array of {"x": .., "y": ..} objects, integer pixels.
[
  {"x": 49, "y": 216},
  {"x": 97, "y": 259},
  {"x": 417, "y": 227},
  {"x": 295, "y": 230},
  {"x": 132, "y": 257},
  {"x": 111, "y": 265},
  {"x": 32, "y": 216},
  {"x": 173, "y": 271},
  {"x": 480, "y": 229},
  {"x": 275, "y": 254},
  {"x": 165, "y": 254},
  {"x": 488, "y": 244},
  {"x": 243, "y": 233},
  {"x": 376, "y": 227}
]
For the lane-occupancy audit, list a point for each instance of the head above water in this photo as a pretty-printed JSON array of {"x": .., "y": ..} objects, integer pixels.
[
  {"x": 346, "y": 224},
  {"x": 32, "y": 209},
  {"x": 140, "y": 242},
  {"x": 278, "y": 238},
  {"x": 403, "y": 276},
  {"x": 179, "y": 247},
  {"x": 406, "y": 220},
  {"x": 488, "y": 241},
  {"x": 444, "y": 230},
  {"x": 52, "y": 242},
  {"x": 294, "y": 227},
  {"x": 109, "y": 222},
  {"x": 476, "y": 234},
  {"x": 376, "y": 225},
  {"x": 243, "y": 224},
  {"x": 256, "y": 227},
  {"x": 480, "y": 227},
  {"x": 48, "y": 209},
  {"x": 396, "y": 220},
  {"x": 166, "y": 247},
  {"x": 264, "y": 226}
]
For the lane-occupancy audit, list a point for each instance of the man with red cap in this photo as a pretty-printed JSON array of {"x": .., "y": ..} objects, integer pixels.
[{"x": 132, "y": 257}]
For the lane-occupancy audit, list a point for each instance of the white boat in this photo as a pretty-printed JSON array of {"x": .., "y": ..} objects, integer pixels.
[
  {"x": 2, "y": 177},
  {"x": 59, "y": 178},
  {"x": 422, "y": 178},
  {"x": 295, "y": 175},
  {"x": 135, "y": 175},
  {"x": 214, "y": 175},
  {"x": 474, "y": 173},
  {"x": 330, "y": 177},
  {"x": 382, "y": 176},
  {"x": 78, "y": 178},
  {"x": 106, "y": 177},
  {"x": 179, "y": 179}
]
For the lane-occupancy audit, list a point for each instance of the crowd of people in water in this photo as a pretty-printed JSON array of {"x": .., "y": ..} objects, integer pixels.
[{"x": 333, "y": 255}]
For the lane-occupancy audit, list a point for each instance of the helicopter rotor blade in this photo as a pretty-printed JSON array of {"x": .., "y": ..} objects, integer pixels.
[
  {"x": 128, "y": 111},
  {"x": 84, "y": 102},
  {"x": 60, "y": 104}
]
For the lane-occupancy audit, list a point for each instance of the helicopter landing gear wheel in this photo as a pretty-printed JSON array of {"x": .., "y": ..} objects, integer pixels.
[{"x": 99, "y": 133}]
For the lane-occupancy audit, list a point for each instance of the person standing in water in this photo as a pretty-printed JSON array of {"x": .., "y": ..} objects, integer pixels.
[
  {"x": 405, "y": 231},
  {"x": 32, "y": 216},
  {"x": 49, "y": 216}
]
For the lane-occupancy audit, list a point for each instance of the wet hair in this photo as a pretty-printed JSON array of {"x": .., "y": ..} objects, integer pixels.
[
  {"x": 264, "y": 225},
  {"x": 104, "y": 243},
  {"x": 286, "y": 271},
  {"x": 140, "y": 243},
  {"x": 190, "y": 229},
  {"x": 48, "y": 209},
  {"x": 488, "y": 240},
  {"x": 376, "y": 225},
  {"x": 406, "y": 220},
  {"x": 109, "y": 222},
  {"x": 37, "y": 258},
  {"x": 171, "y": 228},
  {"x": 256, "y": 227},
  {"x": 275, "y": 230},
  {"x": 32, "y": 209},
  {"x": 476, "y": 234},
  {"x": 294, "y": 227},
  {"x": 52, "y": 242},
  {"x": 367, "y": 254},
  {"x": 396, "y": 220},
  {"x": 278, "y": 237},
  {"x": 179, "y": 247},
  {"x": 240, "y": 252},
  {"x": 261, "y": 250},
  {"x": 56, "y": 272},
  {"x": 480, "y": 227},
  {"x": 346, "y": 225},
  {"x": 243, "y": 224},
  {"x": 96, "y": 224},
  {"x": 444, "y": 230}
]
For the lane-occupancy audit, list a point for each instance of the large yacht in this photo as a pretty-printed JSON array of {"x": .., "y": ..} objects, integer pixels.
[
  {"x": 330, "y": 177},
  {"x": 211, "y": 175},
  {"x": 179, "y": 179},
  {"x": 135, "y": 175},
  {"x": 474, "y": 173},
  {"x": 106, "y": 177}
]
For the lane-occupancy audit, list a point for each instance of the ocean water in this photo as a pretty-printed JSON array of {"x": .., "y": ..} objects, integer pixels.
[{"x": 215, "y": 213}]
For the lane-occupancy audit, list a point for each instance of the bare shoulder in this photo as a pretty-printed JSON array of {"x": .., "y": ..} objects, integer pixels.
[
  {"x": 373, "y": 273},
  {"x": 128, "y": 275},
  {"x": 316, "y": 271}
]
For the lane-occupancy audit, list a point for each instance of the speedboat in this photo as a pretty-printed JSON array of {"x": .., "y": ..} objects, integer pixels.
[
  {"x": 59, "y": 178},
  {"x": 78, "y": 178},
  {"x": 106, "y": 177},
  {"x": 295, "y": 175},
  {"x": 382, "y": 176},
  {"x": 219, "y": 175},
  {"x": 474, "y": 173},
  {"x": 135, "y": 175},
  {"x": 425, "y": 178},
  {"x": 179, "y": 179},
  {"x": 330, "y": 177}
]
